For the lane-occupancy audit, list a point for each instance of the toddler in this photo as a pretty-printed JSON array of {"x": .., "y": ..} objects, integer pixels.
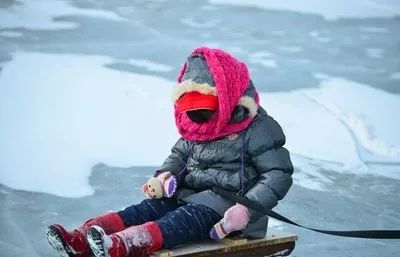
[{"x": 227, "y": 141}]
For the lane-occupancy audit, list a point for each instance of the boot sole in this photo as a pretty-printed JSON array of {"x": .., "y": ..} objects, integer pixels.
[
  {"x": 58, "y": 243},
  {"x": 96, "y": 242}
]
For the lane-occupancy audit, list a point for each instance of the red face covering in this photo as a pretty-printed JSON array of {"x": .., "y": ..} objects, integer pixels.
[
  {"x": 196, "y": 101},
  {"x": 231, "y": 79}
]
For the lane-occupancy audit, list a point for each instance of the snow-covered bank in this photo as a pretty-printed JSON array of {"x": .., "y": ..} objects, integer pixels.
[
  {"x": 42, "y": 14},
  {"x": 371, "y": 114},
  {"x": 61, "y": 113},
  {"x": 328, "y": 9},
  {"x": 310, "y": 129}
]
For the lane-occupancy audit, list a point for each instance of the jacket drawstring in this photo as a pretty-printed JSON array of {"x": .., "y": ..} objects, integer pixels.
[
  {"x": 242, "y": 169},
  {"x": 187, "y": 161}
]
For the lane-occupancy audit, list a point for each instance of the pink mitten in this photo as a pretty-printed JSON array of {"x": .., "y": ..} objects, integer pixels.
[
  {"x": 163, "y": 185},
  {"x": 235, "y": 218}
]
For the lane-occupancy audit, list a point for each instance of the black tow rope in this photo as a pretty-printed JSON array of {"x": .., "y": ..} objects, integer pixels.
[{"x": 375, "y": 234}]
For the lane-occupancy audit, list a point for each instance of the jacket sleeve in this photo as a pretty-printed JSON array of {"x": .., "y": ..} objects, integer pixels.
[
  {"x": 176, "y": 161},
  {"x": 272, "y": 162}
]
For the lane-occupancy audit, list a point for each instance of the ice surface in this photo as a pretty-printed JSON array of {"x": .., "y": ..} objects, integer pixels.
[
  {"x": 328, "y": 9},
  {"x": 61, "y": 121},
  {"x": 150, "y": 66},
  {"x": 360, "y": 192},
  {"x": 41, "y": 14}
]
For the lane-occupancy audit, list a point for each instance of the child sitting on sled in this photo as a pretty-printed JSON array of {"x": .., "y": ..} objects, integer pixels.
[{"x": 228, "y": 141}]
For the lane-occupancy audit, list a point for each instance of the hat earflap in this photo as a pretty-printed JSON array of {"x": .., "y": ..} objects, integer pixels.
[{"x": 249, "y": 103}]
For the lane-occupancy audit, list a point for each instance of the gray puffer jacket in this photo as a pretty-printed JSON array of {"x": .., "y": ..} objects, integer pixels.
[{"x": 266, "y": 171}]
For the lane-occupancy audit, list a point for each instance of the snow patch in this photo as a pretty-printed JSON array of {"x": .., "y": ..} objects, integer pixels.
[
  {"x": 316, "y": 35},
  {"x": 373, "y": 29},
  {"x": 262, "y": 59},
  {"x": 149, "y": 65},
  {"x": 310, "y": 130},
  {"x": 261, "y": 54},
  {"x": 41, "y": 14},
  {"x": 395, "y": 76},
  {"x": 310, "y": 172},
  {"x": 200, "y": 25},
  {"x": 375, "y": 53},
  {"x": 62, "y": 114},
  {"x": 268, "y": 63},
  {"x": 330, "y": 10},
  {"x": 234, "y": 49},
  {"x": 291, "y": 49},
  {"x": 278, "y": 32},
  {"x": 212, "y": 44},
  {"x": 209, "y": 8},
  {"x": 11, "y": 34},
  {"x": 368, "y": 112},
  {"x": 273, "y": 223}
]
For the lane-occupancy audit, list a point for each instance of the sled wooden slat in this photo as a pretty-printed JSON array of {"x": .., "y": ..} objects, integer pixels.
[{"x": 276, "y": 243}]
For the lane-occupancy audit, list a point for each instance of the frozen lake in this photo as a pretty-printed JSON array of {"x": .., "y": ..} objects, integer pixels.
[{"x": 83, "y": 85}]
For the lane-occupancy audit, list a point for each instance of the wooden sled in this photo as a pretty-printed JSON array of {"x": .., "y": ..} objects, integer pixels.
[{"x": 276, "y": 243}]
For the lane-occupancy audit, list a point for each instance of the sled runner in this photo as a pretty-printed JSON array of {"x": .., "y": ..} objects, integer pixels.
[{"x": 276, "y": 243}]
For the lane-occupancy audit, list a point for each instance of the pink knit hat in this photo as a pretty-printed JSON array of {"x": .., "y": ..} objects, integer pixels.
[{"x": 215, "y": 72}]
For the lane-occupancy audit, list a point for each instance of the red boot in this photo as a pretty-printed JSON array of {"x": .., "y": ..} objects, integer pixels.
[
  {"x": 73, "y": 243},
  {"x": 136, "y": 241}
]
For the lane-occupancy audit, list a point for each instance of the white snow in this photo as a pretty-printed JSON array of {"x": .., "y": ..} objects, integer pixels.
[
  {"x": 324, "y": 125},
  {"x": 150, "y": 65},
  {"x": 308, "y": 172},
  {"x": 234, "y": 49},
  {"x": 60, "y": 114},
  {"x": 10, "y": 34},
  {"x": 291, "y": 49},
  {"x": 316, "y": 35},
  {"x": 208, "y": 23},
  {"x": 367, "y": 113},
  {"x": 395, "y": 76},
  {"x": 261, "y": 54},
  {"x": 370, "y": 113},
  {"x": 268, "y": 63},
  {"x": 330, "y": 10},
  {"x": 41, "y": 14},
  {"x": 209, "y": 7},
  {"x": 278, "y": 32},
  {"x": 276, "y": 224},
  {"x": 369, "y": 29},
  {"x": 310, "y": 129},
  {"x": 375, "y": 53},
  {"x": 262, "y": 59}
]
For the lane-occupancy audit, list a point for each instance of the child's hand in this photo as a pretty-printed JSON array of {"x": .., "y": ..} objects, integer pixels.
[
  {"x": 163, "y": 185},
  {"x": 235, "y": 218}
]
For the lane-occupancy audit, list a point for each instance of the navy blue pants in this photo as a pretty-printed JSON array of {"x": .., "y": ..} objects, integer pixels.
[{"x": 179, "y": 223}]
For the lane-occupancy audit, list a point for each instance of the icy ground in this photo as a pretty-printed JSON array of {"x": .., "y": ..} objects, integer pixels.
[{"x": 86, "y": 115}]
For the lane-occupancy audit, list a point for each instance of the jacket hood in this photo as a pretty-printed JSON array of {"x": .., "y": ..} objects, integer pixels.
[{"x": 215, "y": 72}]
